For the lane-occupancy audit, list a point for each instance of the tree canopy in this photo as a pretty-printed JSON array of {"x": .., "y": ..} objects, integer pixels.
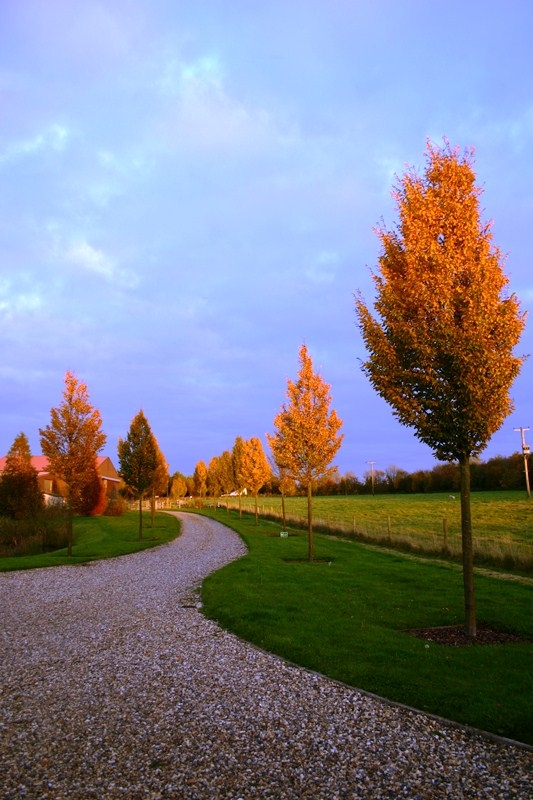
[
  {"x": 20, "y": 495},
  {"x": 307, "y": 434},
  {"x": 139, "y": 460},
  {"x": 254, "y": 467},
  {"x": 72, "y": 441},
  {"x": 440, "y": 346}
]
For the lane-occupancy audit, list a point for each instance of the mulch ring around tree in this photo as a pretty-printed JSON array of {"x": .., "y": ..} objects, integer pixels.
[{"x": 456, "y": 636}]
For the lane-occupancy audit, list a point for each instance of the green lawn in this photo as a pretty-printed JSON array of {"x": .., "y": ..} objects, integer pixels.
[
  {"x": 348, "y": 616},
  {"x": 103, "y": 537}
]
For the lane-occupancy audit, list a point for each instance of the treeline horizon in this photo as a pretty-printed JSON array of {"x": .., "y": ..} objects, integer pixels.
[{"x": 497, "y": 473}]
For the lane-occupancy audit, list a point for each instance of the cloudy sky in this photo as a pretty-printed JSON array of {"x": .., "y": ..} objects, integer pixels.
[{"x": 189, "y": 190}]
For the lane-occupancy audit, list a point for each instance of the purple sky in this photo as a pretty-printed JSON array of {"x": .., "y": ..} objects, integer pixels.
[{"x": 188, "y": 191}]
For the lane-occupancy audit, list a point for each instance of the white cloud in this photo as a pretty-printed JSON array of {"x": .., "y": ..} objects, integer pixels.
[
  {"x": 91, "y": 259},
  {"x": 14, "y": 300},
  {"x": 53, "y": 138}
]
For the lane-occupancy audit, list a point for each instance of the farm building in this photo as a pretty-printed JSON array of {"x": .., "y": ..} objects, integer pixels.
[{"x": 55, "y": 491}]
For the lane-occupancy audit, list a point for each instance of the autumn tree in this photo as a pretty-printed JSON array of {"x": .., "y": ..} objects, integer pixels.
[
  {"x": 72, "y": 441},
  {"x": 160, "y": 480},
  {"x": 200, "y": 479},
  {"x": 178, "y": 486},
  {"x": 20, "y": 495},
  {"x": 138, "y": 459},
  {"x": 255, "y": 469},
  {"x": 441, "y": 344},
  {"x": 307, "y": 434},
  {"x": 214, "y": 484},
  {"x": 236, "y": 457},
  {"x": 226, "y": 475}
]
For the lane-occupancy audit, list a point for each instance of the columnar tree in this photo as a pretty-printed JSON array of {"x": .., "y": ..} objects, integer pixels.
[
  {"x": 20, "y": 495},
  {"x": 160, "y": 481},
  {"x": 226, "y": 476},
  {"x": 307, "y": 434},
  {"x": 200, "y": 479},
  {"x": 214, "y": 484},
  {"x": 236, "y": 457},
  {"x": 138, "y": 459},
  {"x": 255, "y": 469},
  {"x": 72, "y": 441},
  {"x": 441, "y": 344}
]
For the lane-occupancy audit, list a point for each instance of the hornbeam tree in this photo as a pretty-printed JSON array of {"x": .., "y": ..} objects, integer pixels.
[
  {"x": 307, "y": 434},
  {"x": 72, "y": 441},
  {"x": 254, "y": 469},
  {"x": 440, "y": 348},
  {"x": 20, "y": 495},
  {"x": 138, "y": 458}
]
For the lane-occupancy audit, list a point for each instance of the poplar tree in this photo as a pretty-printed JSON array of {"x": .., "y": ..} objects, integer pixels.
[
  {"x": 440, "y": 346},
  {"x": 72, "y": 441},
  {"x": 255, "y": 470},
  {"x": 307, "y": 434},
  {"x": 138, "y": 458}
]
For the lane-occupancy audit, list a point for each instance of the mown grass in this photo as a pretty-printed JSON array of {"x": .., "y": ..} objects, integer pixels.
[
  {"x": 502, "y": 522},
  {"x": 348, "y": 616},
  {"x": 102, "y": 537}
]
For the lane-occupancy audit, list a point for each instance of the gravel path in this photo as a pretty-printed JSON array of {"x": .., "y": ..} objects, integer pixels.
[{"x": 113, "y": 686}]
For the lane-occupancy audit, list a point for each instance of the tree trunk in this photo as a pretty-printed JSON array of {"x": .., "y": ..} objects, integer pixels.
[
  {"x": 283, "y": 510},
  {"x": 70, "y": 518},
  {"x": 310, "y": 518},
  {"x": 468, "y": 550},
  {"x": 140, "y": 517},
  {"x": 152, "y": 510},
  {"x": 256, "y": 510}
]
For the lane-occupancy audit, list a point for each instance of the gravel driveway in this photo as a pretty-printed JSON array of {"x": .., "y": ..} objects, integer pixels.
[{"x": 113, "y": 686}]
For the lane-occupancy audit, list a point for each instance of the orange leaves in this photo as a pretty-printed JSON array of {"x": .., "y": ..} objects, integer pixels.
[
  {"x": 441, "y": 344},
  {"x": 307, "y": 436}
]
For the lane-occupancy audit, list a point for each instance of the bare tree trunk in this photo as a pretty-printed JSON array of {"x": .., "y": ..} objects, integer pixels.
[
  {"x": 140, "y": 517},
  {"x": 468, "y": 550},
  {"x": 283, "y": 510},
  {"x": 256, "y": 510},
  {"x": 310, "y": 518}
]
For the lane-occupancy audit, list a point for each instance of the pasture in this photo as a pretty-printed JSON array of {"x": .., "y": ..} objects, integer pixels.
[{"x": 426, "y": 523}]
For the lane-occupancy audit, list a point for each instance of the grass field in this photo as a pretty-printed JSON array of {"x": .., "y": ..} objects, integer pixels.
[
  {"x": 102, "y": 537},
  {"x": 348, "y": 616},
  {"x": 502, "y": 521}
]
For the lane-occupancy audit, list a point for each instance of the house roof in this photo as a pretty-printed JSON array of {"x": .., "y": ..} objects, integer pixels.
[{"x": 40, "y": 463}]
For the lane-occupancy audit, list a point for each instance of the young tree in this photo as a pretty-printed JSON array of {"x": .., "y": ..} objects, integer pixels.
[
  {"x": 200, "y": 479},
  {"x": 214, "y": 484},
  {"x": 72, "y": 441},
  {"x": 178, "y": 486},
  {"x": 226, "y": 476},
  {"x": 307, "y": 436},
  {"x": 255, "y": 469},
  {"x": 441, "y": 346},
  {"x": 138, "y": 458},
  {"x": 160, "y": 481},
  {"x": 20, "y": 495},
  {"x": 236, "y": 457}
]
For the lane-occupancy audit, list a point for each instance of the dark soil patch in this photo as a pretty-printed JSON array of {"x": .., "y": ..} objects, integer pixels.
[{"x": 456, "y": 636}]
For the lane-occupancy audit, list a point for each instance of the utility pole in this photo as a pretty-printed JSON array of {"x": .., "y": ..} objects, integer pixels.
[
  {"x": 525, "y": 452},
  {"x": 372, "y": 473}
]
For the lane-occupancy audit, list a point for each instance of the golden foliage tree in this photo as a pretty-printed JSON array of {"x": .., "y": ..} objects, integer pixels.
[
  {"x": 200, "y": 479},
  {"x": 160, "y": 482},
  {"x": 441, "y": 344},
  {"x": 254, "y": 468},
  {"x": 20, "y": 495},
  {"x": 307, "y": 434},
  {"x": 72, "y": 441},
  {"x": 138, "y": 458}
]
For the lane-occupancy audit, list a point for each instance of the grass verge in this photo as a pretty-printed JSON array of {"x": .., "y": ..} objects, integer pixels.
[
  {"x": 349, "y": 614},
  {"x": 102, "y": 537}
]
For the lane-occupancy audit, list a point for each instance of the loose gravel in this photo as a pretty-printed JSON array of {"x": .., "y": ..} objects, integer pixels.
[{"x": 113, "y": 685}]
